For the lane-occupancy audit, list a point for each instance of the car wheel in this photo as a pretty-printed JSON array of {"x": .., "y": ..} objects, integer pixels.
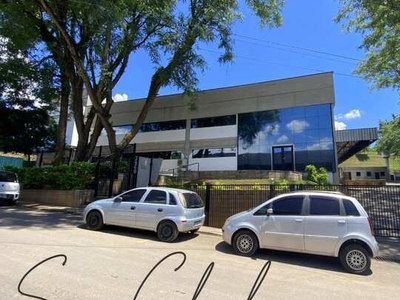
[
  {"x": 355, "y": 259},
  {"x": 167, "y": 231},
  {"x": 245, "y": 243},
  {"x": 94, "y": 220}
]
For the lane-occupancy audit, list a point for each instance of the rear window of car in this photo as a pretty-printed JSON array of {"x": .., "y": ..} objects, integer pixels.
[
  {"x": 8, "y": 177},
  {"x": 350, "y": 208},
  {"x": 190, "y": 200}
]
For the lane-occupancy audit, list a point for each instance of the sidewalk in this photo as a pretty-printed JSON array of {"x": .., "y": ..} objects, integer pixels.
[{"x": 389, "y": 247}]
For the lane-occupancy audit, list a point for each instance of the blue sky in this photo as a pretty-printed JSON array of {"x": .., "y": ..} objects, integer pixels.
[{"x": 269, "y": 54}]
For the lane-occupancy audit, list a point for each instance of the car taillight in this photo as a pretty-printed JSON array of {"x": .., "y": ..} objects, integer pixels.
[{"x": 371, "y": 227}]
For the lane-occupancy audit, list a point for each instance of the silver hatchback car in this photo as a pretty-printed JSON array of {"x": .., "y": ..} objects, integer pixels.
[
  {"x": 167, "y": 211},
  {"x": 324, "y": 223}
]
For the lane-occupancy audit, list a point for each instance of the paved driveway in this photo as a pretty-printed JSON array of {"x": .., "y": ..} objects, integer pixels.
[{"x": 111, "y": 264}]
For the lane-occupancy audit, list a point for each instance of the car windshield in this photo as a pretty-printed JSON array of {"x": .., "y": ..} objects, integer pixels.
[
  {"x": 190, "y": 200},
  {"x": 8, "y": 177}
]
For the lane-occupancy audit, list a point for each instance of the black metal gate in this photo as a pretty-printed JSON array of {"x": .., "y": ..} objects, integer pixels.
[{"x": 115, "y": 173}]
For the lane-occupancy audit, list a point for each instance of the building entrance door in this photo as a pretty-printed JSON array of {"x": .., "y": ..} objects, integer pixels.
[{"x": 282, "y": 157}]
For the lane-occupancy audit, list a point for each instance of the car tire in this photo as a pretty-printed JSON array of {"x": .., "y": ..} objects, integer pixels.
[
  {"x": 245, "y": 243},
  {"x": 167, "y": 231},
  {"x": 355, "y": 259},
  {"x": 94, "y": 220}
]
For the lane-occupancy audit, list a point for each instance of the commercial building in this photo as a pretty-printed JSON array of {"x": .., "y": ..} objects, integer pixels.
[{"x": 275, "y": 125}]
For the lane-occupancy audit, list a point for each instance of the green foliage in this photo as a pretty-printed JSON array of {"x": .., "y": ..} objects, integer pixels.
[
  {"x": 318, "y": 176},
  {"x": 91, "y": 43},
  {"x": 378, "y": 22},
  {"x": 77, "y": 176},
  {"x": 389, "y": 140}
]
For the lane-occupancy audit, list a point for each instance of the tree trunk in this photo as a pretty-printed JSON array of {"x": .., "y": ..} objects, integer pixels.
[{"x": 62, "y": 120}]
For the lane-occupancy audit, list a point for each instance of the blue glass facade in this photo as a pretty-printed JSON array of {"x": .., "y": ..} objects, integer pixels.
[{"x": 286, "y": 139}]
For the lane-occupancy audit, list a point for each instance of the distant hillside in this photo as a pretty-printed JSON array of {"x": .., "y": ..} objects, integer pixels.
[{"x": 370, "y": 159}]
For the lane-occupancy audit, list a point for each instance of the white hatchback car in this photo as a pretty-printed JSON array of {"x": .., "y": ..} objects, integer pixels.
[
  {"x": 166, "y": 211},
  {"x": 9, "y": 187},
  {"x": 324, "y": 223}
]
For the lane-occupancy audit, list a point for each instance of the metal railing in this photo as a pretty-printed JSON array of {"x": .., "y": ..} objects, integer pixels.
[{"x": 382, "y": 203}]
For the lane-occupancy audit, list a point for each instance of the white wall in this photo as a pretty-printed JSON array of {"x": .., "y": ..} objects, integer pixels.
[
  {"x": 213, "y": 132},
  {"x": 214, "y": 163}
]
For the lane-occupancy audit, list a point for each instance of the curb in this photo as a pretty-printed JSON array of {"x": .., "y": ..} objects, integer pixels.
[{"x": 209, "y": 233}]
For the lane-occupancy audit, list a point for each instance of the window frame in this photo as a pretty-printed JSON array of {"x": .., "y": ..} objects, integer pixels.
[
  {"x": 342, "y": 211},
  {"x": 134, "y": 190},
  {"x": 153, "y": 203},
  {"x": 270, "y": 205}
]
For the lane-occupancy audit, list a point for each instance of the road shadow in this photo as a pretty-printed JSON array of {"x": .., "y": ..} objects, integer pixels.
[
  {"x": 140, "y": 234},
  {"x": 16, "y": 218},
  {"x": 299, "y": 259}
]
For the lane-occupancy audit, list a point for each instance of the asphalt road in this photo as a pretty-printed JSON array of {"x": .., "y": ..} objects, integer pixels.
[{"x": 112, "y": 264}]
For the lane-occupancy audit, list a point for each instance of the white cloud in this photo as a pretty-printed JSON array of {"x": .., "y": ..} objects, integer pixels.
[
  {"x": 340, "y": 125},
  {"x": 272, "y": 129},
  {"x": 120, "y": 97},
  {"x": 282, "y": 139},
  {"x": 353, "y": 114},
  {"x": 297, "y": 126},
  {"x": 324, "y": 144}
]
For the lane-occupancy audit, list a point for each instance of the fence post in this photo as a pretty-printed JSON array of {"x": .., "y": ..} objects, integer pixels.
[
  {"x": 207, "y": 204},
  {"x": 96, "y": 179},
  {"x": 110, "y": 186},
  {"x": 271, "y": 191}
]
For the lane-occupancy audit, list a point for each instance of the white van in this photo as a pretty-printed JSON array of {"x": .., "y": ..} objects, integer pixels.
[{"x": 9, "y": 187}]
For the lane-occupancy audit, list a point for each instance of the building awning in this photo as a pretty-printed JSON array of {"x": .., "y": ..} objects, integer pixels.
[{"x": 352, "y": 141}]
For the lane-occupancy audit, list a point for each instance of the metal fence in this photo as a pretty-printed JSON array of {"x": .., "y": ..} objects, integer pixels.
[{"x": 382, "y": 203}]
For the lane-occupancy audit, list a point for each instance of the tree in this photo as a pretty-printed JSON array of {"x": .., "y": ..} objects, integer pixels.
[
  {"x": 92, "y": 43},
  {"x": 319, "y": 176},
  {"x": 25, "y": 88},
  {"x": 378, "y": 22},
  {"x": 25, "y": 130},
  {"x": 389, "y": 140}
]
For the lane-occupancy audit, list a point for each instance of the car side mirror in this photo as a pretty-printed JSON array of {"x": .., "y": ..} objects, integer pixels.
[
  {"x": 270, "y": 211},
  {"x": 118, "y": 199}
]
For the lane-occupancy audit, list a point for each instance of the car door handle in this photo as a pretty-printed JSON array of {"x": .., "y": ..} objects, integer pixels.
[
  {"x": 160, "y": 209},
  {"x": 341, "y": 221},
  {"x": 298, "y": 220},
  {"x": 133, "y": 207}
]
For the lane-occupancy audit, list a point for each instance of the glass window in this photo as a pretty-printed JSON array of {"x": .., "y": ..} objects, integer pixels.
[
  {"x": 172, "y": 199},
  {"x": 157, "y": 197},
  {"x": 133, "y": 196},
  {"x": 8, "y": 177},
  {"x": 219, "y": 152},
  {"x": 162, "y": 126},
  {"x": 382, "y": 173},
  {"x": 288, "y": 206},
  {"x": 190, "y": 200},
  {"x": 214, "y": 121},
  {"x": 324, "y": 206},
  {"x": 308, "y": 128},
  {"x": 163, "y": 154},
  {"x": 263, "y": 210},
  {"x": 368, "y": 174},
  {"x": 350, "y": 208},
  {"x": 358, "y": 174}
]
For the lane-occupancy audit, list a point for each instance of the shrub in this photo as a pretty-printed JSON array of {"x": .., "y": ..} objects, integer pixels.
[
  {"x": 77, "y": 176},
  {"x": 319, "y": 176}
]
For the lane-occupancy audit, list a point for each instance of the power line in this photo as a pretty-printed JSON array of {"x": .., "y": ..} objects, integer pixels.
[
  {"x": 297, "y": 47},
  {"x": 294, "y": 51},
  {"x": 281, "y": 64}
]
